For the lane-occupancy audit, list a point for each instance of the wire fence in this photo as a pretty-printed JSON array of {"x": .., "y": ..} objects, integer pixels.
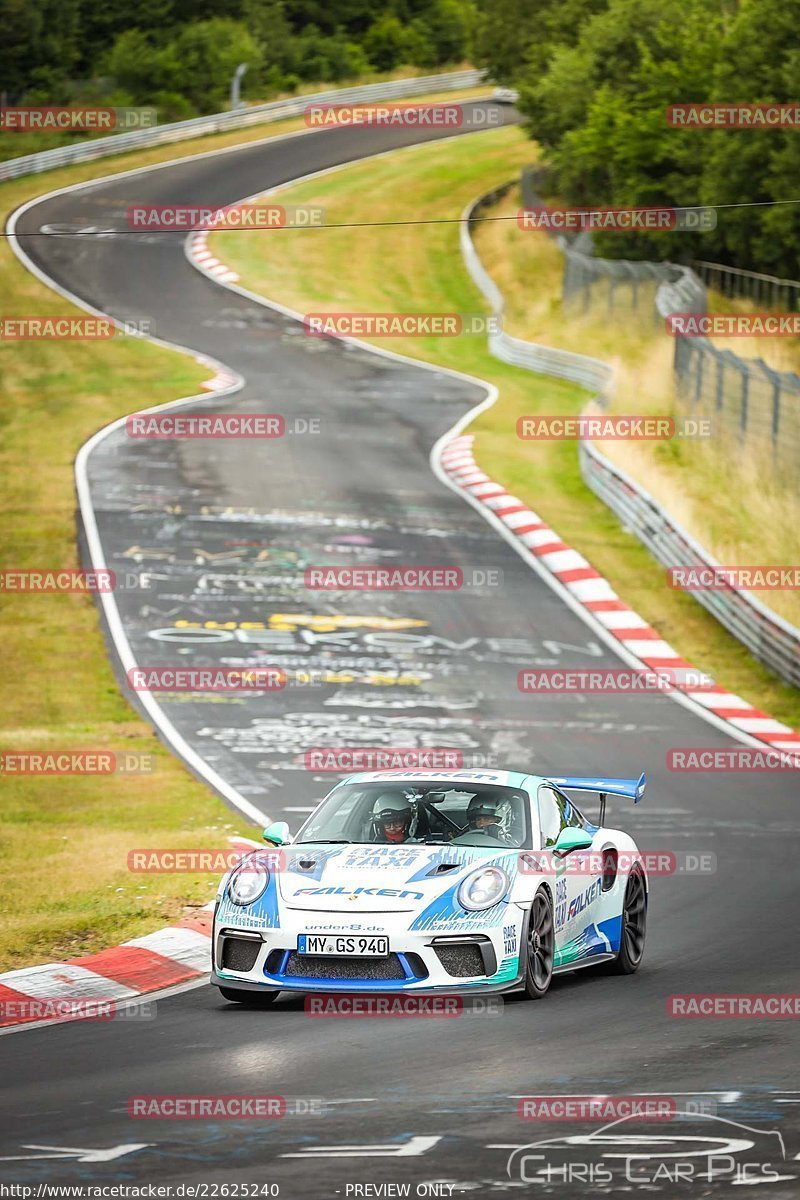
[
  {"x": 737, "y": 284},
  {"x": 746, "y": 401},
  {"x": 773, "y": 640}
]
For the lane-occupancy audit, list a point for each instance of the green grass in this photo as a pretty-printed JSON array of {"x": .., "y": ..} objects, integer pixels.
[
  {"x": 65, "y": 886},
  {"x": 417, "y": 267},
  {"x": 65, "y": 889}
]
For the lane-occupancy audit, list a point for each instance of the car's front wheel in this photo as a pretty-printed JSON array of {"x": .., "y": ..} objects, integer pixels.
[
  {"x": 247, "y": 998},
  {"x": 541, "y": 946},
  {"x": 634, "y": 925}
]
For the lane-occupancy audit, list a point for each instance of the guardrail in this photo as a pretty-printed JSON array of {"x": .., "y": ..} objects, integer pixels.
[
  {"x": 276, "y": 110},
  {"x": 766, "y": 635},
  {"x": 591, "y": 373},
  {"x": 745, "y": 399},
  {"x": 770, "y": 638}
]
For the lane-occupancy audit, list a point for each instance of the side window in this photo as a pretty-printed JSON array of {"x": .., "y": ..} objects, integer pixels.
[
  {"x": 571, "y": 816},
  {"x": 551, "y": 816}
]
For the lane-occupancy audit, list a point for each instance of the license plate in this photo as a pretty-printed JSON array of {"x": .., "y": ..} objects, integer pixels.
[{"x": 343, "y": 945}]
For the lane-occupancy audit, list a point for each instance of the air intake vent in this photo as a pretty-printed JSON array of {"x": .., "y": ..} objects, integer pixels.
[
  {"x": 313, "y": 966},
  {"x": 239, "y": 954},
  {"x": 461, "y": 959}
]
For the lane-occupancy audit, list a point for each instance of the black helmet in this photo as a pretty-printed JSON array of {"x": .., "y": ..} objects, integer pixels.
[{"x": 481, "y": 806}]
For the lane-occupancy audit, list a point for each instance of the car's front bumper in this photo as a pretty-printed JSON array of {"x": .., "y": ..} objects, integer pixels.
[
  {"x": 420, "y": 961},
  {"x": 456, "y": 988}
]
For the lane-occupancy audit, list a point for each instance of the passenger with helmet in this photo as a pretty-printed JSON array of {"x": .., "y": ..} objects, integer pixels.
[
  {"x": 392, "y": 818},
  {"x": 484, "y": 816}
]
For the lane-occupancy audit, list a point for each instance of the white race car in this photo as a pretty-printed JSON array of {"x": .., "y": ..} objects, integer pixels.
[
  {"x": 434, "y": 881},
  {"x": 505, "y": 95}
]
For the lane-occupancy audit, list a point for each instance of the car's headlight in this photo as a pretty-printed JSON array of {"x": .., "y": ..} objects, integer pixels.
[
  {"x": 248, "y": 882},
  {"x": 483, "y": 889}
]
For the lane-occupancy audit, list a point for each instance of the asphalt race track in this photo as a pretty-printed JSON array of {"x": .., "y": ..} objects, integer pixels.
[{"x": 221, "y": 532}]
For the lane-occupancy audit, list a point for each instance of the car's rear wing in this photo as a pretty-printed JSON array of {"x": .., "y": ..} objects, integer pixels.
[{"x": 633, "y": 789}]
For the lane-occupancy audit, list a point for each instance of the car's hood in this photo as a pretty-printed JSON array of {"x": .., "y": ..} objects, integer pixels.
[{"x": 366, "y": 878}]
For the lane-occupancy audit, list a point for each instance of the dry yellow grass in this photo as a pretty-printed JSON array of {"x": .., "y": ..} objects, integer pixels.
[{"x": 727, "y": 498}]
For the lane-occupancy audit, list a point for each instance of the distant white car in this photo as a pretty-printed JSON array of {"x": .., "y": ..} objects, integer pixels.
[
  {"x": 505, "y": 95},
  {"x": 434, "y": 881}
]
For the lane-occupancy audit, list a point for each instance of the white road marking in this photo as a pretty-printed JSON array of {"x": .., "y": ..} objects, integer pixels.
[
  {"x": 81, "y": 1155},
  {"x": 413, "y": 1148}
]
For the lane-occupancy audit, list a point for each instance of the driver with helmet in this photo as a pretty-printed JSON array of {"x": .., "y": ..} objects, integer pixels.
[
  {"x": 484, "y": 816},
  {"x": 392, "y": 818}
]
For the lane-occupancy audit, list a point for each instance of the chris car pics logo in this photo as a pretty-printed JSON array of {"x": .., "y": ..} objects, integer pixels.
[{"x": 693, "y": 1147}]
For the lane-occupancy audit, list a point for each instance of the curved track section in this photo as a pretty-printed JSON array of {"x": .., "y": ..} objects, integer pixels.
[{"x": 216, "y": 537}]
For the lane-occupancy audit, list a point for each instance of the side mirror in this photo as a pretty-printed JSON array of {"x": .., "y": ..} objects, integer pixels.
[
  {"x": 277, "y": 834},
  {"x": 572, "y": 839}
]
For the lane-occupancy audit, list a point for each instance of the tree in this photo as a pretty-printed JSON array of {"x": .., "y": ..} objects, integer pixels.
[
  {"x": 384, "y": 43},
  {"x": 760, "y": 63},
  {"x": 600, "y": 111}
]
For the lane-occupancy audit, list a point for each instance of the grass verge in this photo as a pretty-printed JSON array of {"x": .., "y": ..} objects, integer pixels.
[
  {"x": 58, "y": 690},
  {"x": 404, "y": 268},
  {"x": 702, "y": 482}
]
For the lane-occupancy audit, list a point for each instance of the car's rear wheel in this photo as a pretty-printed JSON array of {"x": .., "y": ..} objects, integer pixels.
[
  {"x": 634, "y": 925},
  {"x": 247, "y": 998},
  {"x": 541, "y": 946}
]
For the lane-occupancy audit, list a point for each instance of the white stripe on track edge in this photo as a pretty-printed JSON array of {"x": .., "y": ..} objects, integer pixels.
[
  {"x": 439, "y": 447},
  {"x": 97, "y": 555},
  {"x": 96, "y": 552}
]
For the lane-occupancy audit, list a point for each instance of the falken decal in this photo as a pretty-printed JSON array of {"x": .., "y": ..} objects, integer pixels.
[
  {"x": 578, "y": 903},
  {"x": 360, "y": 891}
]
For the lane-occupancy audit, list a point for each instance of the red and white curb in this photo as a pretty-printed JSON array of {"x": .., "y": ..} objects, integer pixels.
[
  {"x": 222, "y": 381},
  {"x": 68, "y": 990},
  {"x": 201, "y": 256},
  {"x": 200, "y": 253},
  {"x": 595, "y": 594}
]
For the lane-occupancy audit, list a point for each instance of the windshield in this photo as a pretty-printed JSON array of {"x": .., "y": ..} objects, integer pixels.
[{"x": 425, "y": 813}]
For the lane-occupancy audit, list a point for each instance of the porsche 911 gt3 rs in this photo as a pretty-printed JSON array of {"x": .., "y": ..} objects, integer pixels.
[{"x": 434, "y": 881}]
